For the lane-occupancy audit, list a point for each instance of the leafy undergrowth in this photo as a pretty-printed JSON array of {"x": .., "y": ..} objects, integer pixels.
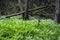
[{"x": 14, "y": 29}]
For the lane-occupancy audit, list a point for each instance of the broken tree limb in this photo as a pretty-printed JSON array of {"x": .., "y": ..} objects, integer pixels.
[{"x": 34, "y": 9}]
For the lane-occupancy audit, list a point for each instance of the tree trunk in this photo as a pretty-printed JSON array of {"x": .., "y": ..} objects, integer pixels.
[
  {"x": 57, "y": 15},
  {"x": 25, "y": 15},
  {"x": 39, "y": 2},
  {"x": 20, "y": 5},
  {"x": 30, "y": 6}
]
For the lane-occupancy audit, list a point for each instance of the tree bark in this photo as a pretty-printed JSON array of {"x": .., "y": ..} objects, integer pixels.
[
  {"x": 30, "y": 6},
  {"x": 57, "y": 14},
  {"x": 20, "y": 5},
  {"x": 39, "y": 2},
  {"x": 25, "y": 15}
]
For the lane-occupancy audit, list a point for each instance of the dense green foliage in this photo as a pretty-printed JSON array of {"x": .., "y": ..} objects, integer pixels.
[{"x": 15, "y": 29}]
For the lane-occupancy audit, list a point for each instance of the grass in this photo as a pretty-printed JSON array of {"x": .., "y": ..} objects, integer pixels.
[{"x": 15, "y": 29}]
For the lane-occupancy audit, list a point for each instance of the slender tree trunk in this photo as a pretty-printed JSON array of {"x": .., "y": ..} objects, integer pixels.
[
  {"x": 45, "y": 2},
  {"x": 20, "y": 4},
  {"x": 30, "y": 6},
  {"x": 39, "y": 2},
  {"x": 25, "y": 15},
  {"x": 57, "y": 15}
]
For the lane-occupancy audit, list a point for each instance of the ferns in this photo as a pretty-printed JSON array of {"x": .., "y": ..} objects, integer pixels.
[{"x": 15, "y": 29}]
